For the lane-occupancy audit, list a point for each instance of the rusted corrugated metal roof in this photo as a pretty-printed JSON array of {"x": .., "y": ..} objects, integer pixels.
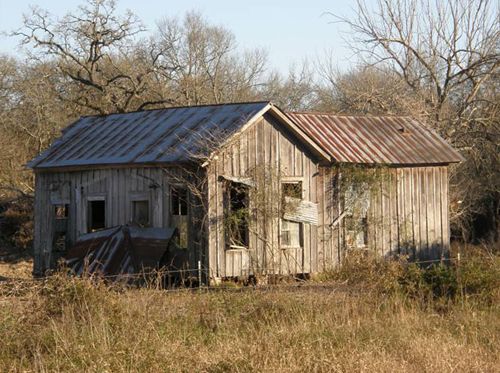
[
  {"x": 376, "y": 140},
  {"x": 120, "y": 251},
  {"x": 153, "y": 136}
]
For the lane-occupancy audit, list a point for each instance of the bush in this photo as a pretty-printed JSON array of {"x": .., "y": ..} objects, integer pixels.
[
  {"x": 477, "y": 275},
  {"x": 364, "y": 268}
]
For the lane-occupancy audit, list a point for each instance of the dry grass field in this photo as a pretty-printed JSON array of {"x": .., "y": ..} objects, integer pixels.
[{"x": 370, "y": 317}]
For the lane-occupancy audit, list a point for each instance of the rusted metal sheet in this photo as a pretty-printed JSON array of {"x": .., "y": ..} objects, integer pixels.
[
  {"x": 120, "y": 251},
  {"x": 376, "y": 140},
  {"x": 153, "y": 136}
]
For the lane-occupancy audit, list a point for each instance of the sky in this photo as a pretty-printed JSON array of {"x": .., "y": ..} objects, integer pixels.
[{"x": 290, "y": 31}]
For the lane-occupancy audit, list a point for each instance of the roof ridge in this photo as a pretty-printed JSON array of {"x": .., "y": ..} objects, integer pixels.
[
  {"x": 180, "y": 107},
  {"x": 350, "y": 115}
]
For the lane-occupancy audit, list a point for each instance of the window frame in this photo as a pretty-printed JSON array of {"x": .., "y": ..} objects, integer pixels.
[
  {"x": 292, "y": 180},
  {"x": 171, "y": 196},
  {"x": 139, "y": 197},
  {"x": 94, "y": 198},
  {"x": 300, "y": 232},
  {"x": 228, "y": 188}
]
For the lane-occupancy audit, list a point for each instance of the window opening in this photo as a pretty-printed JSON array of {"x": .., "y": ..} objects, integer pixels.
[
  {"x": 179, "y": 197},
  {"x": 140, "y": 212},
  {"x": 59, "y": 243},
  {"x": 179, "y": 213},
  {"x": 292, "y": 189},
  {"x": 61, "y": 211},
  {"x": 237, "y": 215},
  {"x": 291, "y": 231},
  {"x": 356, "y": 205},
  {"x": 96, "y": 211}
]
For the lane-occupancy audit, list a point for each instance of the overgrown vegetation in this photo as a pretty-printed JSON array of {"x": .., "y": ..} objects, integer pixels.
[
  {"x": 475, "y": 276},
  {"x": 371, "y": 315}
]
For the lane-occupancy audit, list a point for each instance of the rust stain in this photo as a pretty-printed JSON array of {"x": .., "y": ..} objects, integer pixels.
[{"x": 376, "y": 140}]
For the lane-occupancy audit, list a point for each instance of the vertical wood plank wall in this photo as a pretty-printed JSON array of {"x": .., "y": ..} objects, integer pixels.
[
  {"x": 116, "y": 185},
  {"x": 265, "y": 143},
  {"x": 408, "y": 215}
]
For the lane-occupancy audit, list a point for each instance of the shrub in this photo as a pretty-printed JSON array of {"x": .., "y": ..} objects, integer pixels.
[
  {"x": 366, "y": 269},
  {"x": 477, "y": 275}
]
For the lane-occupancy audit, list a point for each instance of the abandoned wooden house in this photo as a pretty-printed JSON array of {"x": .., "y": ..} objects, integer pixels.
[{"x": 249, "y": 188}]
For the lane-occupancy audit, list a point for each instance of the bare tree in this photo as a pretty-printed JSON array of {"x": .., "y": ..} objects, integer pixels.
[
  {"x": 95, "y": 49},
  {"x": 447, "y": 48},
  {"x": 296, "y": 91},
  {"x": 201, "y": 61},
  {"x": 367, "y": 90},
  {"x": 446, "y": 52}
]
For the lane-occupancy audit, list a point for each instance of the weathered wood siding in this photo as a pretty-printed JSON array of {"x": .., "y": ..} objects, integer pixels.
[
  {"x": 264, "y": 144},
  {"x": 118, "y": 186},
  {"x": 408, "y": 215}
]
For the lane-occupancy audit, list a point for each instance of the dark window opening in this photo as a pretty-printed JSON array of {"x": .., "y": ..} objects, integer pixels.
[
  {"x": 292, "y": 189},
  {"x": 237, "y": 215},
  {"x": 179, "y": 214},
  {"x": 179, "y": 198},
  {"x": 96, "y": 215},
  {"x": 140, "y": 212},
  {"x": 61, "y": 211}
]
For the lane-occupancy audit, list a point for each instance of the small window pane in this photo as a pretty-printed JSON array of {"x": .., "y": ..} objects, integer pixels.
[{"x": 140, "y": 212}]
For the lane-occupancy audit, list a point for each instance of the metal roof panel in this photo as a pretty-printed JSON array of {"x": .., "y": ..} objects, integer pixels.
[
  {"x": 162, "y": 135},
  {"x": 376, "y": 140}
]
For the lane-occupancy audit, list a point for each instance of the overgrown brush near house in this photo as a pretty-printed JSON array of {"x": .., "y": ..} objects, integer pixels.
[
  {"x": 72, "y": 325},
  {"x": 475, "y": 275}
]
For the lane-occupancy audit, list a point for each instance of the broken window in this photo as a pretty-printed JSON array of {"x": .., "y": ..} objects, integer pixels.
[
  {"x": 356, "y": 205},
  {"x": 96, "y": 215},
  {"x": 292, "y": 189},
  {"x": 61, "y": 213},
  {"x": 237, "y": 215},
  {"x": 140, "y": 212},
  {"x": 291, "y": 231},
  {"x": 179, "y": 213}
]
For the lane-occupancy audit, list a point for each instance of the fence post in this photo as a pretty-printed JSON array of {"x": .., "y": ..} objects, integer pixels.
[{"x": 199, "y": 274}]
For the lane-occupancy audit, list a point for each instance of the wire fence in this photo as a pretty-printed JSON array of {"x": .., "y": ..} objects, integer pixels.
[{"x": 199, "y": 278}]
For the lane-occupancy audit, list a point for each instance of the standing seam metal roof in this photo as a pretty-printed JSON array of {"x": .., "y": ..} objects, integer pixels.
[
  {"x": 154, "y": 136},
  {"x": 376, "y": 140},
  {"x": 176, "y": 134}
]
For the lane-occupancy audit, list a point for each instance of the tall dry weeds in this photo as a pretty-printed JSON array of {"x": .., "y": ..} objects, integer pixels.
[{"x": 82, "y": 325}]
